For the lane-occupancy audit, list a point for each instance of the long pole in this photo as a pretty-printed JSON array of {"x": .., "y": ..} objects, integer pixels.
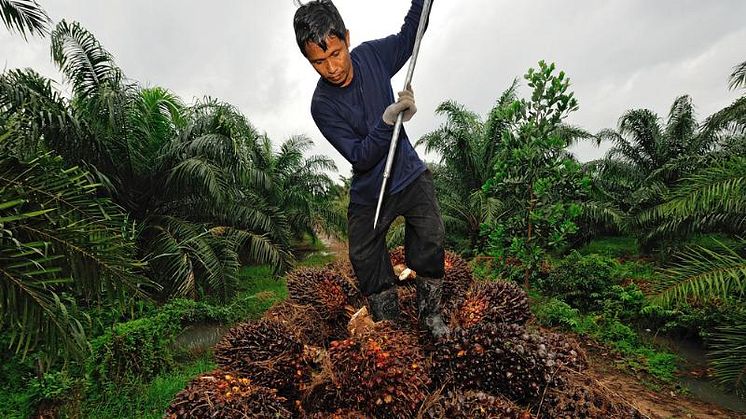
[{"x": 399, "y": 119}]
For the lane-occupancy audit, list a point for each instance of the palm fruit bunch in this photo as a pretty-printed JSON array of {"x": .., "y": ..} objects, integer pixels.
[
  {"x": 268, "y": 353},
  {"x": 382, "y": 372},
  {"x": 457, "y": 281},
  {"x": 339, "y": 414},
  {"x": 345, "y": 270},
  {"x": 322, "y": 288},
  {"x": 328, "y": 292},
  {"x": 225, "y": 396},
  {"x": 408, "y": 305},
  {"x": 564, "y": 351},
  {"x": 582, "y": 397},
  {"x": 502, "y": 358},
  {"x": 496, "y": 302},
  {"x": 457, "y": 404},
  {"x": 302, "y": 320}
]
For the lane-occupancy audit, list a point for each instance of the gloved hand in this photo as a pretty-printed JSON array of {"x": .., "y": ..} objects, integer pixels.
[{"x": 404, "y": 104}]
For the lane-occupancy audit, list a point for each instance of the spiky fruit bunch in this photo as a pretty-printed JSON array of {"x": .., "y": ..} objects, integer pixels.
[
  {"x": 408, "y": 305},
  {"x": 225, "y": 396},
  {"x": 322, "y": 288},
  {"x": 303, "y": 321},
  {"x": 339, "y": 414},
  {"x": 499, "y": 357},
  {"x": 267, "y": 353},
  {"x": 564, "y": 352},
  {"x": 382, "y": 372},
  {"x": 459, "y": 278},
  {"x": 495, "y": 302},
  {"x": 347, "y": 272},
  {"x": 582, "y": 397},
  {"x": 457, "y": 404}
]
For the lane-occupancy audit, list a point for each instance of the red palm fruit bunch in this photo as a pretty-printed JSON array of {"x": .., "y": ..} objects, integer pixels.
[
  {"x": 222, "y": 395},
  {"x": 268, "y": 353},
  {"x": 381, "y": 372},
  {"x": 322, "y": 288},
  {"x": 457, "y": 404},
  {"x": 347, "y": 273},
  {"x": 496, "y": 302},
  {"x": 339, "y": 414},
  {"x": 408, "y": 305},
  {"x": 582, "y": 397},
  {"x": 457, "y": 281},
  {"x": 500, "y": 357},
  {"x": 302, "y": 320}
]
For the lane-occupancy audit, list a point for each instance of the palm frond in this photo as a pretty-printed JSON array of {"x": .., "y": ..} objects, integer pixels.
[
  {"x": 728, "y": 356},
  {"x": 82, "y": 59},
  {"x": 25, "y": 16},
  {"x": 738, "y": 77},
  {"x": 713, "y": 199},
  {"x": 704, "y": 273},
  {"x": 59, "y": 244},
  {"x": 40, "y": 117}
]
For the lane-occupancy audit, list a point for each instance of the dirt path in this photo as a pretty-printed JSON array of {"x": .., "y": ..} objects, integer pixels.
[{"x": 335, "y": 246}]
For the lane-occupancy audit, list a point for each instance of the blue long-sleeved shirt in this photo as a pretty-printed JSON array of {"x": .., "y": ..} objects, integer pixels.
[{"x": 350, "y": 117}]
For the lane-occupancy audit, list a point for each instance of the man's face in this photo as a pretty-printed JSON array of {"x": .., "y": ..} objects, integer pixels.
[{"x": 334, "y": 64}]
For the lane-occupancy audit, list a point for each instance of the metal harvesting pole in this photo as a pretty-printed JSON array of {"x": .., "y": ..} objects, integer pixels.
[{"x": 397, "y": 128}]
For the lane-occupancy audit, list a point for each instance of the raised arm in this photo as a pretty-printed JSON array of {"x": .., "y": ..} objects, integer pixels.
[
  {"x": 396, "y": 49},
  {"x": 362, "y": 153}
]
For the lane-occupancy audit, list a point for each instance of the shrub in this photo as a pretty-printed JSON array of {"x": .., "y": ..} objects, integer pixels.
[
  {"x": 557, "y": 313},
  {"x": 133, "y": 351},
  {"x": 624, "y": 303},
  {"x": 53, "y": 391},
  {"x": 581, "y": 280},
  {"x": 140, "y": 349}
]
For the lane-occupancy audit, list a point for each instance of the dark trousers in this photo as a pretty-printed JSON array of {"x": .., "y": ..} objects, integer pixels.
[{"x": 423, "y": 236}]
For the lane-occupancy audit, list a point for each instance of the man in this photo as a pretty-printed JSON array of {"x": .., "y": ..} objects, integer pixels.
[{"x": 353, "y": 106}]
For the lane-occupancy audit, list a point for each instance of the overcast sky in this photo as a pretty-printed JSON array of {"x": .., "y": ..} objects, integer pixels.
[{"x": 619, "y": 54}]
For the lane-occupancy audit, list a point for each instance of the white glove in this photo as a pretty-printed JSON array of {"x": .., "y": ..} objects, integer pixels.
[{"x": 404, "y": 104}]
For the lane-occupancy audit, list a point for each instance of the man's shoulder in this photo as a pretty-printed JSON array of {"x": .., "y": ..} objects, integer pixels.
[{"x": 364, "y": 50}]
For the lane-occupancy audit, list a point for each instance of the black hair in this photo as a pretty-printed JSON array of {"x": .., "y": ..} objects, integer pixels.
[{"x": 316, "y": 20}]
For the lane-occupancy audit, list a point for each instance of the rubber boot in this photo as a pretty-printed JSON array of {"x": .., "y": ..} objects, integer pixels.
[
  {"x": 385, "y": 305},
  {"x": 429, "y": 292}
]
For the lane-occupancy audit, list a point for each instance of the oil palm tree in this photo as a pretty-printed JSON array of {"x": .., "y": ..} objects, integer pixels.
[
  {"x": 25, "y": 17},
  {"x": 467, "y": 146},
  {"x": 648, "y": 155},
  {"x": 204, "y": 205},
  {"x": 713, "y": 199},
  {"x": 179, "y": 171},
  {"x": 301, "y": 187}
]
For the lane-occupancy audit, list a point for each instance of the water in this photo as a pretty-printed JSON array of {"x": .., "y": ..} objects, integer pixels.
[
  {"x": 199, "y": 337},
  {"x": 704, "y": 388}
]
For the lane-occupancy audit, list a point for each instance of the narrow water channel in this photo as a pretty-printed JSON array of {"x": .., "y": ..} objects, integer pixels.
[
  {"x": 199, "y": 337},
  {"x": 694, "y": 357}
]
